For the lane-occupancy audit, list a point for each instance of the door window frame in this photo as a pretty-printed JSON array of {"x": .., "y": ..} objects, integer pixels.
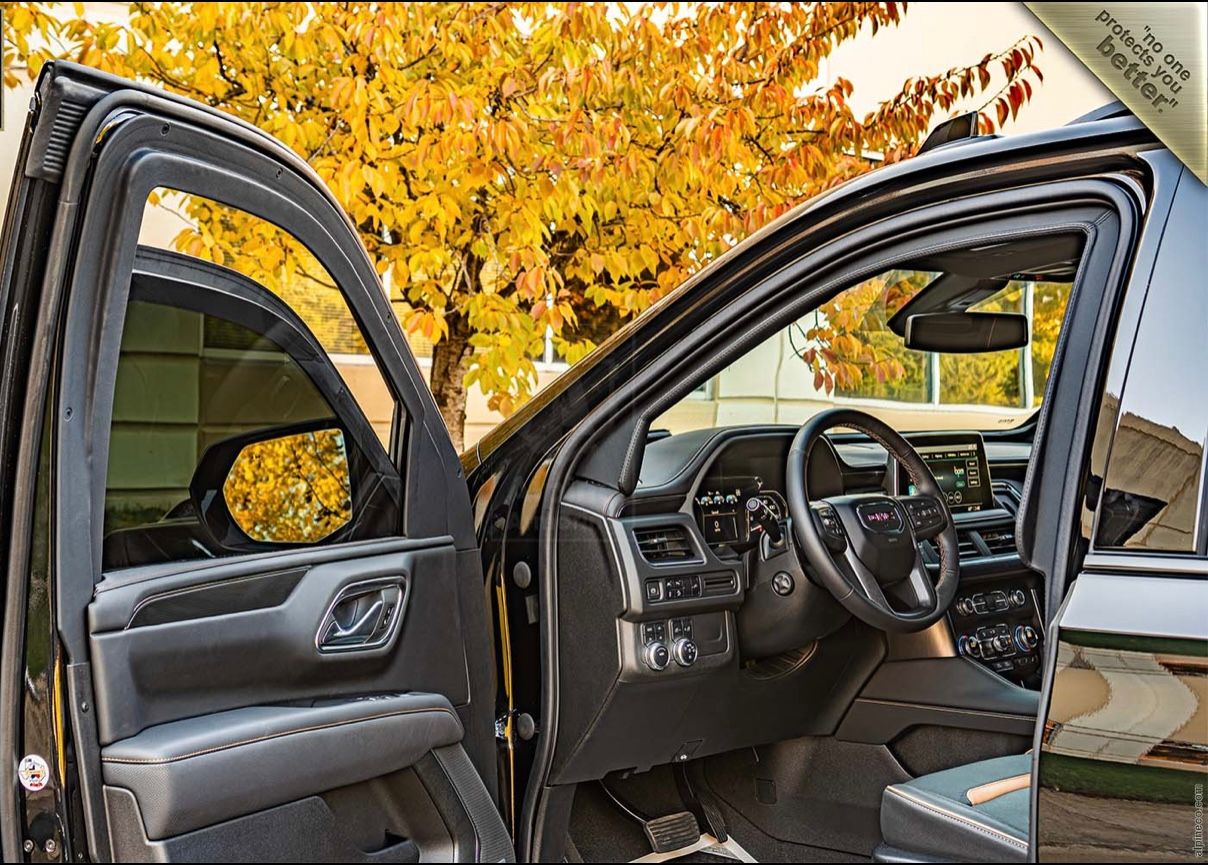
[
  {"x": 120, "y": 155},
  {"x": 78, "y": 176}
]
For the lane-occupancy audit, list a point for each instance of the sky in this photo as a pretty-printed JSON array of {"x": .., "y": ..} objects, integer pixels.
[{"x": 935, "y": 36}]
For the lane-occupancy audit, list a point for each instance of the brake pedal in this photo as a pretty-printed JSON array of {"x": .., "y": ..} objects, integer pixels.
[{"x": 673, "y": 832}]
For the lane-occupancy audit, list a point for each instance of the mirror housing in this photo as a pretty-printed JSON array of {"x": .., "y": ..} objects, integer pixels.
[
  {"x": 966, "y": 332},
  {"x": 278, "y": 486}
]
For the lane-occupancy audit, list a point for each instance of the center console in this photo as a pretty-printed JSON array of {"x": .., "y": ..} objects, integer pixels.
[
  {"x": 995, "y": 618},
  {"x": 998, "y": 624}
]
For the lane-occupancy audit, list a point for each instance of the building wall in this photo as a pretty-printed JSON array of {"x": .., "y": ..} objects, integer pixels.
[{"x": 771, "y": 384}]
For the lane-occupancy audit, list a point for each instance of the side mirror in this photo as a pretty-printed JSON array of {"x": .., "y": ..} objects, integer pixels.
[
  {"x": 282, "y": 485},
  {"x": 966, "y": 332}
]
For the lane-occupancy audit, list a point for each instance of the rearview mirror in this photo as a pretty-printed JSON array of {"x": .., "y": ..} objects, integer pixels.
[
  {"x": 284, "y": 485},
  {"x": 966, "y": 332}
]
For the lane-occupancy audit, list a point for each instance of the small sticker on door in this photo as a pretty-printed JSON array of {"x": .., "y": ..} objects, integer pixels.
[{"x": 33, "y": 773}]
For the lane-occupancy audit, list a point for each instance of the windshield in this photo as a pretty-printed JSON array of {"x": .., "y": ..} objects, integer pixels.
[{"x": 845, "y": 354}]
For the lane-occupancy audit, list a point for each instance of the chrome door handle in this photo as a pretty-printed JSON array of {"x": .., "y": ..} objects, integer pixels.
[
  {"x": 361, "y": 629},
  {"x": 362, "y": 616}
]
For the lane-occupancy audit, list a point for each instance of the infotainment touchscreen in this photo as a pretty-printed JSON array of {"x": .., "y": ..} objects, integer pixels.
[{"x": 958, "y": 462}]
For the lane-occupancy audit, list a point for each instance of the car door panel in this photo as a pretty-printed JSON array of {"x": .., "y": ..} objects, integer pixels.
[
  {"x": 150, "y": 674},
  {"x": 1121, "y": 751},
  {"x": 449, "y": 817}
]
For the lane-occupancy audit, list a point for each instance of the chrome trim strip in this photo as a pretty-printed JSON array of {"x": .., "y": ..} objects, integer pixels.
[{"x": 1169, "y": 565}]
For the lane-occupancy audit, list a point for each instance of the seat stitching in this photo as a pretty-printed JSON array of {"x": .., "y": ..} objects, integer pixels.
[
  {"x": 980, "y": 827},
  {"x": 159, "y": 761}
]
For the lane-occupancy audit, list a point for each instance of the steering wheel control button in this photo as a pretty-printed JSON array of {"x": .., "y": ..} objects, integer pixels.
[
  {"x": 925, "y": 514},
  {"x": 832, "y": 529},
  {"x": 882, "y": 517},
  {"x": 685, "y": 652},
  {"x": 657, "y": 656},
  {"x": 783, "y": 584}
]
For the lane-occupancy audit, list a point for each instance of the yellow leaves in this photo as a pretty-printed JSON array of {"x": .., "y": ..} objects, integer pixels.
[
  {"x": 341, "y": 92},
  {"x": 430, "y": 323},
  {"x": 525, "y": 166},
  {"x": 291, "y": 489}
]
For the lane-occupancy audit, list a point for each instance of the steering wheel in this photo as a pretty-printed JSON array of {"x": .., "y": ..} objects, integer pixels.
[{"x": 864, "y": 548}]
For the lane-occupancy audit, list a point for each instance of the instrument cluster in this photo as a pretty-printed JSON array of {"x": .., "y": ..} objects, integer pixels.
[{"x": 736, "y": 513}]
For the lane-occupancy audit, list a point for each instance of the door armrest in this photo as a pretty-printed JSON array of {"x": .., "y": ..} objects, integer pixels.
[{"x": 200, "y": 771}]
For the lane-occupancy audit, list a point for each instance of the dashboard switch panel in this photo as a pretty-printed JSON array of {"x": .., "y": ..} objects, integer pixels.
[{"x": 998, "y": 625}]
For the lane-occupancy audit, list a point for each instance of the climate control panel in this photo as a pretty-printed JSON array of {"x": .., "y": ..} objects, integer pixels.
[
  {"x": 998, "y": 625},
  {"x": 668, "y": 641}
]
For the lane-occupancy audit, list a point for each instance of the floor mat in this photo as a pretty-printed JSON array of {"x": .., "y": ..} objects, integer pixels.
[
  {"x": 767, "y": 849},
  {"x": 601, "y": 833}
]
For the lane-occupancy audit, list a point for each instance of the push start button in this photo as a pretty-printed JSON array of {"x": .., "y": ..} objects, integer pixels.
[{"x": 783, "y": 584}]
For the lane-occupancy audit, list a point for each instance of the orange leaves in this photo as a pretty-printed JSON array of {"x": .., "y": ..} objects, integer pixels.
[
  {"x": 1016, "y": 63},
  {"x": 427, "y": 322},
  {"x": 531, "y": 283}
]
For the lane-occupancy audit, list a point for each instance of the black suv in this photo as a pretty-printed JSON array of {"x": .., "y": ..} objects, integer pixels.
[{"x": 256, "y": 607}]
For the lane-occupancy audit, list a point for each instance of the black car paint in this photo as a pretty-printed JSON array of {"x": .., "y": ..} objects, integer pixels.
[
  {"x": 508, "y": 469},
  {"x": 975, "y": 167}
]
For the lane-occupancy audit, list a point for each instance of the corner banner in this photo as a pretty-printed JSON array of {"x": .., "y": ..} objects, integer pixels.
[{"x": 1153, "y": 57}]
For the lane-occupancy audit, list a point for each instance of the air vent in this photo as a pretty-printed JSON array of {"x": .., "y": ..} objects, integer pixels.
[
  {"x": 664, "y": 544},
  {"x": 966, "y": 548},
  {"x": 720, "y": 584},
  {"x": 1007, "y": 495},
  {"x": 1000, "y": 542}
]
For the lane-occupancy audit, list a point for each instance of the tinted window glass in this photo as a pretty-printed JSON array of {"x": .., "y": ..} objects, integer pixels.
[
  {"x": 1152, "y": 489},
  {"x": 191, "y": 387}
]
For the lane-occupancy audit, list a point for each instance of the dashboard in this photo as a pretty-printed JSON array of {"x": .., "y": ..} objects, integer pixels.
[
  {"x": 735, "y": 484},
  {"x": 715, "y": 623}
]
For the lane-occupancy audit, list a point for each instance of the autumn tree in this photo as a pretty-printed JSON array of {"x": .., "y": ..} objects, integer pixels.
[{"x": 518, "y": 168}]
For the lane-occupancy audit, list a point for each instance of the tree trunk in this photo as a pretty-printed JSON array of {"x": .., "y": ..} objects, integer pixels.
[{"x": 450, "y": 363}]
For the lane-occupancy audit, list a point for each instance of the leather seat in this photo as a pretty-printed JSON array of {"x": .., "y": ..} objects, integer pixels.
[{"x": 973, "y": 813}]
